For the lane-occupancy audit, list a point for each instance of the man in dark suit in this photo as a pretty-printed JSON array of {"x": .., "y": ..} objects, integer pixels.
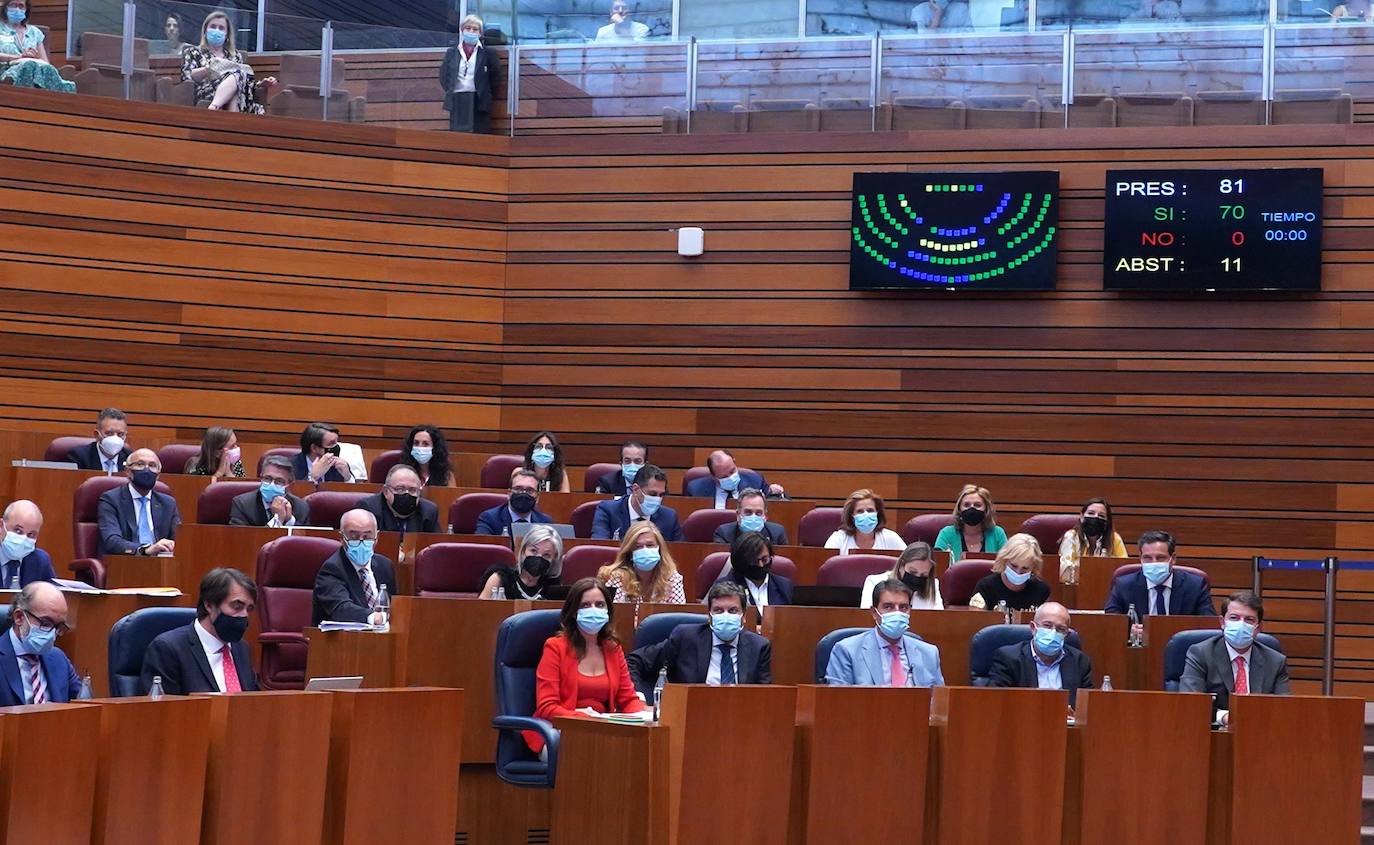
[
  {"x": 614, "y": 516},
  {"x": 270, "y": 505},
  {"x": 35, "y": 671},
  {"x": 752, "y": 516},
  {"x": 108, "y": 451},
  {"x": 520, "y": 507},
  {"x": 209, "y": 655},
  {"x": 726, "y": 480},
  {"x": 398, "y": 507},
  {"x": 21, "y": 562},
  {"x": 751, "y": 569},
  {"x": 1158, "y": 588},
  {"x": 134, "y": 518},
  {"x": 1044, "y": 661},
  {"x": 349, "y": 583},
  {"x": 1233, "y": 663},
  {"x": 633, "y": 455},
  {"x": 470, "y": 74},
  {"x": 718, "y": 652},
  {"x": 319, "y": 459}
]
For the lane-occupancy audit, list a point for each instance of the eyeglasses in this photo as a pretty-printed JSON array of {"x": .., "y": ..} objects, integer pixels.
[
  {"x": 47, "y": 624},
  {"x": 530, "y": 490},
  {"x": 414, "y": 491}
]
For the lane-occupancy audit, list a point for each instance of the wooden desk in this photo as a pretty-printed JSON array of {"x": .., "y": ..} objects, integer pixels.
[
  {"x": 335, "y": 654},
  {"x": 1158, "y": 631},
  {"x": 91, "y": 616},
  {"x": 46, "y": 792},
  {"x": 1095, "y": 581},
  {"x": 594, "y": 753},
  {"x": 1104, "y": 640}
]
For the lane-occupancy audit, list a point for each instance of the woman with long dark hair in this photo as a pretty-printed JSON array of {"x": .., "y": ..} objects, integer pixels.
[
  {"x": 426, "y": 452},
  {"x": 544, "y": 458}
]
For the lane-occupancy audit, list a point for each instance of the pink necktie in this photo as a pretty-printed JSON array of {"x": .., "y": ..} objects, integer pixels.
[
  {"x": 1242, "y": 685},
  {"x": 898, "y": 673},
  {"x": 231, "y": 672}
]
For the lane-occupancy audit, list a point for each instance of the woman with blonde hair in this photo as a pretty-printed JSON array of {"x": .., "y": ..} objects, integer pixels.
[
  {"x": 914, "y": 568},
  {"x": 221, "y": 73},
  {"x": 644, "y": 570},
  {"x": 863, "y": 525},
  {"x": 539, "y": 563},
  {"x": 975, "y": 527},
  {"x": 1015, "y": 577}
]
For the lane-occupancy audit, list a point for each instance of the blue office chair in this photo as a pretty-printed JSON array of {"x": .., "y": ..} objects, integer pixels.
[
  {"x": 129, "y": 639},
  {"x": 827, "y": 644},
  {"x": 1176, "y": 652},
  {"x": 655, "y": 628},
  {"x": 986, "y": 642},
  {"x": 519, "y": 645}
]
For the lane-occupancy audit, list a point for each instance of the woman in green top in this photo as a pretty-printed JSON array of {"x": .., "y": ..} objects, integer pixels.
[{"x": 975, "y": 527}]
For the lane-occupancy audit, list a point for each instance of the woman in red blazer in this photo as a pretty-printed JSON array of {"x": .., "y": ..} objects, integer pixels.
[{"x": 573, "y": 678}]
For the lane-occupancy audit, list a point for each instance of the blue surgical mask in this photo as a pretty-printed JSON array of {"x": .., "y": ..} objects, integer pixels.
[
  {"x": 270, "y": 491},
  {"x": 650, "y": 505},
  {"x": 645, "y": 559},
  {"x": 726, "y": 625},
  {"x": 1049, "y": 641},
  {"x": 894, "y": 623},
  {"x": 360, "y": 551},
  {"x": 15, "y": 16},
  {"x": 751, "y": 522},
  {"x": 866, "y": 522},
  {"x": 730, "y": 483},
  {"x": 214, "y": 37},
  {"x": 17, "y": 546},
  {"x": 590, "y": 620},
  {"x": 1155, "y": 573},
  {"x": 40, "y": 640},
  {"x": 1239, "y": 633},
  {"x": 542, "y": 457},
  {"x": 471, "y": 37},
  {"x": 422, "y": 454},
  {"x": 1016, "y": 578},
  {"x": 630, "y": 471}
]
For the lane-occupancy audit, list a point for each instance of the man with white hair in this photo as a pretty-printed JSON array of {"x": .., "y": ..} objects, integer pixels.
[
  {"x": 350, "y": 581},
  {"x": 21, "y": 561}
]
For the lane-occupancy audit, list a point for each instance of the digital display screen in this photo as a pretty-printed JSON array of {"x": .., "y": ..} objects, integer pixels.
[
  {"x": 1213, "y": 230},
  {"x": 956, "y": 231}
]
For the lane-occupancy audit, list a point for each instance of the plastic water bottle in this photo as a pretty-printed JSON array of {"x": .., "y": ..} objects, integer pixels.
[
  {"x": 658, "y": 690},
  {"x": 14, "y": 579},
  {"x": 156, "y": 692},
  {"x": 1133, "y": 638},
  {"x": 499, "y": 593},
  {"x": 384, "y": 608},
  {"x": 1106, "y": 683},
  {"x": 1005, "y": 611},
  {"x": 85, "y": 693}
]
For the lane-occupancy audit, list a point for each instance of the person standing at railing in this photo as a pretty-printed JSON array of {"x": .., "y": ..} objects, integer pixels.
[
  {"x": 470, "y": 75},
  {"x": 621, "y": 28},
  {"x": 23, "y": 58},
  {"x": 223, "y": 79},
  {"x": 942, "y": 15}
]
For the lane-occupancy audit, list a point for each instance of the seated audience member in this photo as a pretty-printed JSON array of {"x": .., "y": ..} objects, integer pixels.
[
  {"x": 1093, "y": 536},
  {"x": 23, "y": 562},
  {"x": 270, "y": 505},
  {"x": 23, "y": 58},
  {"x": 645, "y": 503},
  {"x": 426, "y": 452},
  {"x": 350, "y": 581},
  {"x": 1015, "y": 577},
  {"x": 752, "y": 515},
  {"x": 1157, "y": 588},
  {"x": 726, "y": 480},
  {"x": 889, "y": 655},
  {"x": 1044, "y": 661},
  {"x": 134, "y": 518},
  {"x": 717, "y": 652},
  {"x": 644, "y": 569},
  {"x": 319, "y": 459},
  {"x": 916, "y": 569},
  {"x": 1353, "y": 10},
  {"x": 863, "y": 526},
  {"x": 110, "y": 449},
  {"x": 942, "y": 15},
  {"x": 544, "y": 458},
  {"x": 223, "y": 78},
  {"x": 1232, "y": 663},
  {"x": 975, "y": 527},
  {"x": 520, "y": 507},
  {"x": 399, "y": 507},
  {"x": 170, "y": 44},
  {"x": 751, "y": 569},
  {"x": 621, "y": 28},
  {"x": 470, "y": 75},
  {"x": 209, "y": 655},
  {"x": 539, "y": 563},
  {"x": 633, "y": 455},
  {"x": 38, "y": 672},
  {"x": 219, "y": 455},
  {"x": 574, "y": 679}
]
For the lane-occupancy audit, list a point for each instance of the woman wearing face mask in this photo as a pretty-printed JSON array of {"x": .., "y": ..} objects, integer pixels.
[
  {"x": 863, "y": 525},
  {"x": 916, "y": 569},
  {"x": 975, "y": 527},
  {"x": 219, "y": 455},
  {"x": 1015, "y": 577},
  {"x": 470, "y": 74},
  {"x": 644, "y": 570},
  {"x": 426, "y": 452},
  {"x": 544, "y": 458},
  {"x": 222, "y": 76},
  {"x": 540, "y": 563},
  {"x": 583, "y": 669},
  {"x": 1093, "y": 536},
  {"x": 23, "y": 58}
]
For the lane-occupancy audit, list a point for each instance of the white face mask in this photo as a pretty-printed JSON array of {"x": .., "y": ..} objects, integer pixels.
[{"x": 112, "y": 445}]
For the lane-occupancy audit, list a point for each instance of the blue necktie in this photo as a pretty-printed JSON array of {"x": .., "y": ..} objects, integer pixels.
[
  {"x": 1160, "y": 609},
  {"x": 145, "y": 523},
  {"x": 727, "y": 666}
]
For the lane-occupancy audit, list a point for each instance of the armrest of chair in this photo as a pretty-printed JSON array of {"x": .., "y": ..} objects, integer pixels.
[
  {"x": 282, "y": 638},
  {"x": 178, "y": 92},
  {"x": 90, "y": 570},
  {"x": 544, "y": 728}
]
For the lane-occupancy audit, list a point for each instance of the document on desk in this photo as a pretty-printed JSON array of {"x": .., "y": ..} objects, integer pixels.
[
  {"x": 628, "y": 718},
  {"x": 345, "y": 626}
]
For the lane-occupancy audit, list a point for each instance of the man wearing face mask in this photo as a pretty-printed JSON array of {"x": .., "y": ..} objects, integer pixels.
[
  {"x": 136, "y": 518},
  {"x": 209, "y": 655},
  {"x": 109, "y": 451},
  {"x": 320, "y": 458},
  {"x": 889, "y": 655},
  {"x": 752, "y": 516},
  {"x": 398, "y": 507},
  {"x": 751, "y": 569},
  {"x": 270, "y": 505},
  {"x": 1233, "y": 662},
  {"x": 34, "y": 669},
  {"x": 21, "y": 561},
  {"x": 633, "y": 455},
  {"x": 718, "y": 652},
  {"x": 645, "y": 502},
  {"x": 727, "y": 480},
  {"x": 1044, "y": 661},
  {"x": 350, "y": 581},
  {"x": 519, "y": 508},
  {"x": 1159, "y": 588}
]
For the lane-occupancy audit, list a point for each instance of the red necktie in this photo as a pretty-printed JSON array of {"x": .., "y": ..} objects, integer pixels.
[
  {"x": 898, "y": 673},
  {"x": 231, "y": 672},
  {"x": 1242, "y": 685}
]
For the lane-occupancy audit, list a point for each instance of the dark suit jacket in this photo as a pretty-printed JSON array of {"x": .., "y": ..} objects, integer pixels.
[
  {"x": 613, "y": 483},
  {"x": 1189, "y": 595},
  {"x": 178, "y": 658},
  {"x": 90, "y": 457},
  {"x": 1208, "y": 669},
  {"x": 339, "y": 591},
  {"x": 300, "y": 465},
  {"x": 496, "y": 521},
  {"x": 705, "y": 487},
  {"x": 35, "y": 566},
  {"x": 730, "y": 530},
  {"x": 63, "y": 684},
  {"x": 119, "y": 524},
  {"x": 485, "y": 80},
  {"x": 687, "y": 655},
  {"x": 425, "y": 519},
  {"x": 779, "y": 588},
  {"x": 612, "y": 520},
  {"x": 248, "y": 509},
  {"x": 1014, "y": 666}
]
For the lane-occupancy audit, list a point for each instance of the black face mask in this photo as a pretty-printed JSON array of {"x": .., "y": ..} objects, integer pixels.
[
  {"x": 230, "y": 629},
  {"x": 754, "y": 572},
  {"x": 971, "y": 516},
  {"x": 916, "y": 582},
  {"x": 522, "y": 503},
  {"x": 333, "y": 450},
  {"x": 145, "y": 479},
  {"x": 536, "y": 566},
  {"x": 1094, "y": 526},
  {"x": 404, "y": 503}
]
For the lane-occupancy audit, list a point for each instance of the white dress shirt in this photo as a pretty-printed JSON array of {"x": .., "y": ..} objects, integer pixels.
[
  {"x": 723, "y": 495},
  {"x": 759, "y": 594},
  {"x": 1167, "y": 585},
  {"x": 467, "y": 70},
  {"x": 884, "y": 538},
  {"x": 213, "y": 652},
  {"x": 636, "y": 31},
  {"x": 917, "y": 602},
  {"x": 713, "y": 673}
]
